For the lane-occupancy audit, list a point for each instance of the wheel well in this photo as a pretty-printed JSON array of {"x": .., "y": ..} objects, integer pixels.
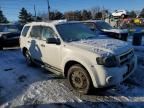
[
  {"x": 24, "y": 51},
  {"x": 123, "y": 15},
  {"x": 68, "y": 65}
]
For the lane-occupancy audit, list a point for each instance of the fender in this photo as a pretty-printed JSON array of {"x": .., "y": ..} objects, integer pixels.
[{"x": 84, "y": 62}]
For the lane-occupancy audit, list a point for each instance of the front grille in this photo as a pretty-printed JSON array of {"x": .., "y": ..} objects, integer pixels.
[{"x": 126, "y": 57}]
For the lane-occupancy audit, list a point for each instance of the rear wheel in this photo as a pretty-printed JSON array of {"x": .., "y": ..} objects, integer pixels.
[
  {"x": 28, "y": 58},
  {"x": 79, "y": 79}
]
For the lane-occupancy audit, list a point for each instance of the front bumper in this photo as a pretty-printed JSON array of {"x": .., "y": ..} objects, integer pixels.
[{"x": 111, "y": 76}]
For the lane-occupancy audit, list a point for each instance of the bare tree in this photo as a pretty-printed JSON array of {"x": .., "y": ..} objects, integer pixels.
[
  {"x": 86, "y": 15},
  {"x": 73, "y": 15},
  {"x": 54, "y": 15},
  {"x": 94, "y": 11}
]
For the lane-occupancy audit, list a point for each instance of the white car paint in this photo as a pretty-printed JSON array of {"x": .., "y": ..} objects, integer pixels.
[
  {"x": 119, "y": 13},
  {"x": 84, "y": 52}
]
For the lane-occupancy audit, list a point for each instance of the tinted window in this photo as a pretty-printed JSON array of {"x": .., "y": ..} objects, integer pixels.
[
  {"x": 103, "y": 25},
  {"x": 47, "y": 32},
  {"x": 9, "y": 28},
  {"x": 36, "y": 32},
  {"x": 75, "y": 32},
  {"x": 91, "y": 26},
  {"x": 25, "y": 30}
]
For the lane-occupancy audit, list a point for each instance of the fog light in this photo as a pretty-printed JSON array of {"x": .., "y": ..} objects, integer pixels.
[{"x": 109, "y": 80}]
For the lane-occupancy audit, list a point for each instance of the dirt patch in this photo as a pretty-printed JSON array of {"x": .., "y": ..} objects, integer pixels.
[
  {"x": 22, "y": 78},
  {"x": 9, "y": 69}
]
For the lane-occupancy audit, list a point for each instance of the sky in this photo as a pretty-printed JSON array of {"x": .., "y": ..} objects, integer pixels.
[{"x": 11, "y": 8}]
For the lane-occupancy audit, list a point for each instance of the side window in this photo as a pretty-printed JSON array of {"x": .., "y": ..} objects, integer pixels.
[
  {"x": 36, "y": 32},
  {"x": 25, "y": 30},
  {"x": 47, "y": 32}
]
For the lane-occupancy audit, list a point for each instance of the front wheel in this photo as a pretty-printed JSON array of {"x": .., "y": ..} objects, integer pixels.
[{"x": 79, "y": 79}]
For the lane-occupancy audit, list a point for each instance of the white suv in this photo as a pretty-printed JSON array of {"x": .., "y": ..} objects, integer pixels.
[
  {"x": 119, "y": 13},
  {"x": 73, "y": 50}
]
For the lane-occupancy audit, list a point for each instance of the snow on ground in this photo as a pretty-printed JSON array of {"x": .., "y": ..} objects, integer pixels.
[{"x": 33, "y": 87}]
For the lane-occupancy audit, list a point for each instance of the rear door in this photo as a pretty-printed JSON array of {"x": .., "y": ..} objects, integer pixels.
[{"x": 33, "y": 42}]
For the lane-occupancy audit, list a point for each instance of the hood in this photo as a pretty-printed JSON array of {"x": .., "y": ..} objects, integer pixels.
[
  {"x": 103, "y": 47},
  {"x": 116, "y": 30}
]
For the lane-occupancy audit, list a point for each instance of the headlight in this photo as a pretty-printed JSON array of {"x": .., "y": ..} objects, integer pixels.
[{"x": 107, "y": 61}]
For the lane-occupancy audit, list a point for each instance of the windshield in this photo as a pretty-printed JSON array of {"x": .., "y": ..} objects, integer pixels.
[
  {"x": 75, "y": 32},
  {"x": 103, "y": 25},
  {"x": 8, "y": 28}
]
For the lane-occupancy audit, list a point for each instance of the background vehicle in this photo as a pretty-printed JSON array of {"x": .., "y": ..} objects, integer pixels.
[
  {"x": 9, "y": 35},
  {"x": 103, "y": 28},
  {"x": 73, "y": 50},
  {"x": 119, "y": 13}
]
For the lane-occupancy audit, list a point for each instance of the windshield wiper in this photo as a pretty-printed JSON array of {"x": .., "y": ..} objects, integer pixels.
[{"x": 72, "y": 40}]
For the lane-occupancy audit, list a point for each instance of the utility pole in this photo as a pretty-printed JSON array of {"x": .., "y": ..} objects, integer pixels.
[
  {"x": 48, "y": 9},
  {"x": 35, "y": 12}
]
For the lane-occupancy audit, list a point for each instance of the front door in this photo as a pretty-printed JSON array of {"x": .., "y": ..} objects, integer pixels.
[{"x": 51, "y": 52}]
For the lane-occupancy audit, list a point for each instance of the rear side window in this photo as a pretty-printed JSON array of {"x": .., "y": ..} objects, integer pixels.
[
  {"x": 25, "y": 30},
  {"x": 36, "y": 32}
]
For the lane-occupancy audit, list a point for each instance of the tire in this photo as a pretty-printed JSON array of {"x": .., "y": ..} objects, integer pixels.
[
  {"x": 79, "y": 79},
  {"x": 28, "y": 58}
]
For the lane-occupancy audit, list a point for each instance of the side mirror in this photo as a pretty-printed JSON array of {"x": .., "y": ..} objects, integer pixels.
[{"x": 53, "y": 41}]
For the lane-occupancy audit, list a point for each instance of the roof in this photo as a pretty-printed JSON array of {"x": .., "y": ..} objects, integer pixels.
[
  {"x": 53, "y": 22},
  {"x": 120, "y": 10}
]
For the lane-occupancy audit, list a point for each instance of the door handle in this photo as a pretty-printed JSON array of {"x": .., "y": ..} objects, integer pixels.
[{"x": 42, "y": 45}]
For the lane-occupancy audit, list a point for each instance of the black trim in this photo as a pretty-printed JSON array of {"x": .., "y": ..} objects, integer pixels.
[
  {"x": 48, "y": 65},
  {"x": 53, "y": 68}
]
